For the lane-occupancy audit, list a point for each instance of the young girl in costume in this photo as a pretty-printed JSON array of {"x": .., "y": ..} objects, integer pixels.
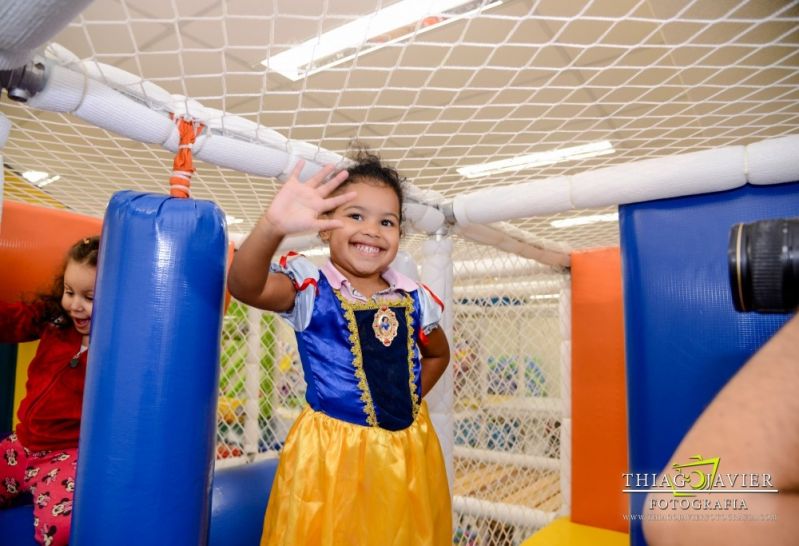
[
  {"x": 41, "y": 457},
  {"x": 362, "y": 464}
]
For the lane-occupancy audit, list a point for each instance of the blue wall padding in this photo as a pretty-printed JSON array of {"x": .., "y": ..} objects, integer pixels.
[
  {"x": 149, "y": 413},
  {"x": 684, "y": 340},
  {"x": 16, "y": 525},
  {"x": 239, "y": 503}
]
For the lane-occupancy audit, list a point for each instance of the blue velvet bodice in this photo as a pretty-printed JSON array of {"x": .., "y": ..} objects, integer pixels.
[{"x": 352, "y": 375}]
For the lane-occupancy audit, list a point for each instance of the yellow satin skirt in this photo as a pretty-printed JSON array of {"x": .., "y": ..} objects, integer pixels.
[{"x": 340, "y": 484}]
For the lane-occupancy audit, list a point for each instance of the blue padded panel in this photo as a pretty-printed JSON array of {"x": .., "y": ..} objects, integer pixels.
[
  {"x": 149, "y": 411},
  {"x": 238, "y": 503},
  {"x": 684, "y": 340},
  {"x": 16, "y": 526}
]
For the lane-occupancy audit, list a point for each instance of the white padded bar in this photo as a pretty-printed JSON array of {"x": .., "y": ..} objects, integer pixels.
[
  {"x": 500, "y": 203},
  {"x": 773, "y": 161},
  {"x": 686, "y": 174}
]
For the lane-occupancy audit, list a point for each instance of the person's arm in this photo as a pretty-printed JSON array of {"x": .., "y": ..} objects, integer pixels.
[
  {"x": 435, "y": 357},
  {"x": 295, "y": 209},
  {"x": 753, "y": 426},
  {"x": 249, "y": 280}
]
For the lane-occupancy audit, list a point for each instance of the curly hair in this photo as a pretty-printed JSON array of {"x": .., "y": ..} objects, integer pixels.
[
  {"x": 370, "y": 169},
  {"x": 82, "y": 252}
]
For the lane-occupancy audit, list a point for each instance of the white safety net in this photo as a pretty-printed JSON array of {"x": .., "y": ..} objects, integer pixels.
[{"x": 512, "y": 77}]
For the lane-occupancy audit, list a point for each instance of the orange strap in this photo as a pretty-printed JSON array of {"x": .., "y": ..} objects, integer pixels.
[{"x": 182, "y": 166}]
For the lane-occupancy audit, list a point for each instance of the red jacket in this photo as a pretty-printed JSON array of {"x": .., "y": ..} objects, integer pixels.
[{"x": 50, "y": 413}]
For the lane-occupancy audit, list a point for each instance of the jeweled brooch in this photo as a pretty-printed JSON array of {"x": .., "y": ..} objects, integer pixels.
[{"x": 385, "y": 325}]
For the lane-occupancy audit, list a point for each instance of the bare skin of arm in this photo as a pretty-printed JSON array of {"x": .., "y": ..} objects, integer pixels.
[
  {"x": 753, "y": 426},
  {"x": 295, "y": 209},
  {"x": 435, "y": 357}
]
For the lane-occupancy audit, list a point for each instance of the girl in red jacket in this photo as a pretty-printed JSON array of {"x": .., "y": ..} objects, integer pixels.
[{"x": 42, "y": 456}]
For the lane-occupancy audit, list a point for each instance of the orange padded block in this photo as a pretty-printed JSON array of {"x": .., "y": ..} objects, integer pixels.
[
  {"x": 33, "y": 243},
  {"x": 599, "y": 403}
]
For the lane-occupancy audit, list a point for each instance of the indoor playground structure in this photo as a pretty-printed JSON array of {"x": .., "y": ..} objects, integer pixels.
[{"x": 576, "y": 289}]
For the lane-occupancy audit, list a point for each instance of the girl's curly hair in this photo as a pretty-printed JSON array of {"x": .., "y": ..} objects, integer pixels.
[
  {"x": 368, "y": 167},
  {"x": 82, "y": 252}
]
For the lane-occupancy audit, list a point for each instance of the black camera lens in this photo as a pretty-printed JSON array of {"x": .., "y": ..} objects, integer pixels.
[{"x": 764, "y": 266}]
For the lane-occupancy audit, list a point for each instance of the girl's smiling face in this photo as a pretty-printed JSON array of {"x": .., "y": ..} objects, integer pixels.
[
  {"x": 368, "y": 241},
  {"x": 79, "y": 294}
]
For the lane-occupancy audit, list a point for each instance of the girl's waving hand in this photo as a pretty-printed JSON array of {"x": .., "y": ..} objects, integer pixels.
[
  {"x": 296, "y": 208},
  {"x": 298, "y": 205}
]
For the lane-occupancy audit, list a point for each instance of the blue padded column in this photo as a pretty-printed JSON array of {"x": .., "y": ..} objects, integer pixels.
[
  {"x": 684, "y": 340},
  {"x": 146, "y": 449}
]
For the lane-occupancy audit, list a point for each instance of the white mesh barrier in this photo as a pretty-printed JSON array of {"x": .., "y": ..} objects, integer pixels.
[
  {"x": 261, "y": 386},
  {"x": 564, "y": 312},
  {"x": 656, "y": 79},
  {"x": 437, "y": 274},
  {"x": 509, "y": 398}
]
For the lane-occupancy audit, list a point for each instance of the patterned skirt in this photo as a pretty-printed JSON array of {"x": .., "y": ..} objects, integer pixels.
[{"x": 342, "y": 484}]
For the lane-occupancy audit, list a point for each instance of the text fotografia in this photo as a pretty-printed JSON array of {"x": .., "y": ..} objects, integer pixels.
[
  {"x": 699, "y": 476},
  {"x": 697, "y": 504}
]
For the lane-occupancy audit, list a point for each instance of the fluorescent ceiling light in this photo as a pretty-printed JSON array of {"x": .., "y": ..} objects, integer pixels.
[
  {"x": 40, "y": 178},
  {"x": 584, "y": 220},
  {"x": 538, "y": 159},
  {"x": 231, "y": 220},
  {"x": 371, "y": 32}
]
